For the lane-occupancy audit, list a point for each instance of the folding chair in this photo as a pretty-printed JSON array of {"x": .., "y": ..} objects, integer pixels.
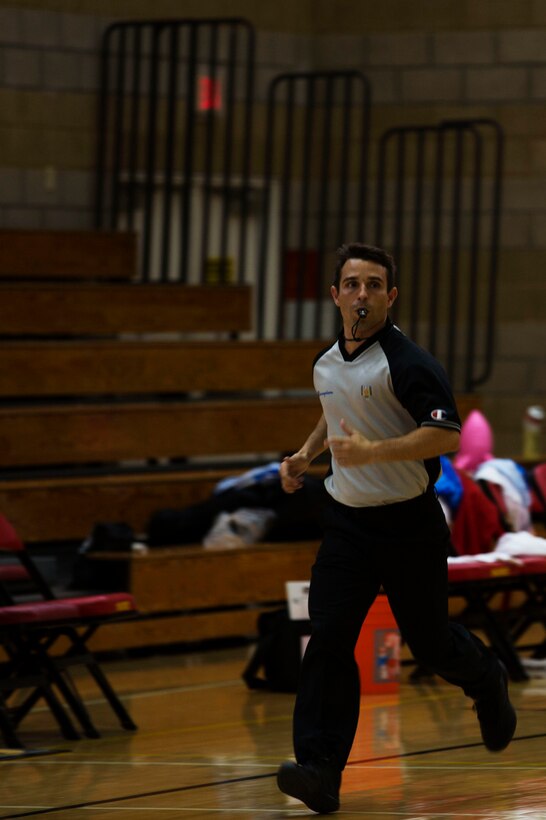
[
  {"x": 33, "y": 630},
  {"x": 533, "y": 609},
  {"x": 22, "y": 670}
]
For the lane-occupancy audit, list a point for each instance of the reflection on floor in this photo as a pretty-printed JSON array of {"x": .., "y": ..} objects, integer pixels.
[{"x": 208, "y": 748}]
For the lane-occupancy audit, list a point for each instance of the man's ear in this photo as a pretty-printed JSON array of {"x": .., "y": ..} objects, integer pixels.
[
  {"x": 391, "y": 296},
  {"x": 334, "y": 295}
]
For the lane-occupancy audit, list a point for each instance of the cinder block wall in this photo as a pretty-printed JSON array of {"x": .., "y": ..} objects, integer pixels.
[{"x": 427, "y": 61}]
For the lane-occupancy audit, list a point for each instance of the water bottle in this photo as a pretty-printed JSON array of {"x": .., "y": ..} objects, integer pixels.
[{"x": 533, "y": 423}]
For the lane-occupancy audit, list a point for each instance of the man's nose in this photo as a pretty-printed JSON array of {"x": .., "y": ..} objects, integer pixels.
[{"x": 363, "y": 292}]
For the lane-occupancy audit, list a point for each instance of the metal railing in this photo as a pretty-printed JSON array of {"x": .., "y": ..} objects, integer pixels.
[
  {"x": 315, "y": 196},
  {"x": 438, "y": 208},
  {"x": 166, "y": 154}
]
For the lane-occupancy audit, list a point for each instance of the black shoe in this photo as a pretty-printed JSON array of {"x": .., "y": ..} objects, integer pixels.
[
  {"x": 315, "y": 784},
  {"x": 496, "y": 714}
]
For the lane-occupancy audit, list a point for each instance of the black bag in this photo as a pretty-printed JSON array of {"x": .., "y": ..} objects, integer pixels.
[
  {"x": 91, "y": 575},
  {"x": 278, "y": 652}
]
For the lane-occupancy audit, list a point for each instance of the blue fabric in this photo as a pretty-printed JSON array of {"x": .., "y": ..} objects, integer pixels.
[
  {"x": 259, "y": 475},
  {"x": 449, "y": 485}
]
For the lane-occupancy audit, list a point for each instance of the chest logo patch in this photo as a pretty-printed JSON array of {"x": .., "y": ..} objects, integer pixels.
[
  {"x": 366, "y": 391},
  {"x": 439, "y": 415}
]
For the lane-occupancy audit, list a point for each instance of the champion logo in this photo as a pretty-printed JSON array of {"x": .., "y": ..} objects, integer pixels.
[{"x": 438, "y": 415}]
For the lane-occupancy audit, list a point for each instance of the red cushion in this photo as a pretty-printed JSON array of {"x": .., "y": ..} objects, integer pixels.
[
  {"x": 478, "y": 570},
  {"x": 532, "y": 564},
  {"x": 37, "y": 612},
  {"x": 113, "y": 603},
  {"x": 9, "y": 540},
  {"x": 13, "y": 572}
]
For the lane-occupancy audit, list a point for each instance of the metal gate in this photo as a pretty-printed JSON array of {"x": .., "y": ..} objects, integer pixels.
[
  {"x": 175, "y": 129},
  {"x": 438, "y": 208},
  {"x": 316, "y": 184}
]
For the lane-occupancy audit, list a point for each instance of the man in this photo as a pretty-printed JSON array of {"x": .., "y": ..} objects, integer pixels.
[{"x": 388, "y": 414}]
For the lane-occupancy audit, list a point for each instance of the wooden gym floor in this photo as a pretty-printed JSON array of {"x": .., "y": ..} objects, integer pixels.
[{"x": 209, "y": 748}]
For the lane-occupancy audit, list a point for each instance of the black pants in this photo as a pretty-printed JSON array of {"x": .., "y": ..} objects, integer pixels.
[{"x": 402, "y": 547}]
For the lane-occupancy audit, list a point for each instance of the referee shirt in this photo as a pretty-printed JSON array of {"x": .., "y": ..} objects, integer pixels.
[{"x": 386, "y": 388}]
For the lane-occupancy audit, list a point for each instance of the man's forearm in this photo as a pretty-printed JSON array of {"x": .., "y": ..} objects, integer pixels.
[
  {"x": 352, "y": 448},
  {"x": 425, "y": 442},
  {"x": 315, "y": 445}
]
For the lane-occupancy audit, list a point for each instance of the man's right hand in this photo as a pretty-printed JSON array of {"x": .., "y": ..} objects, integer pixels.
[{"x": 292, "y": 470}]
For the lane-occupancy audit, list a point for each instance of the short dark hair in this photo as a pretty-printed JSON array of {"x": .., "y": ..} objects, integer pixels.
[{"x": 358, "y": 250}]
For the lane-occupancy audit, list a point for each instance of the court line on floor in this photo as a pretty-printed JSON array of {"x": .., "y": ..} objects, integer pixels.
[
  {"x": 254, "y": 811},
  {"x": 246, "y": 779},
  {"x": 439, "y": 749},
  {"x": 140, "y": 795}
]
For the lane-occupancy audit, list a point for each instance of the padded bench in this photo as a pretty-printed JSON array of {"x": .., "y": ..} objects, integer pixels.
[
  {"x": 521, "y": 583},
  {"x": 190, "y": 593}
]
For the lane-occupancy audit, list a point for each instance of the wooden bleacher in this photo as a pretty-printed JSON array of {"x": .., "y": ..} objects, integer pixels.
[
  {"x": 84, "y": 255},
  {"x": 110, "y": 404}
]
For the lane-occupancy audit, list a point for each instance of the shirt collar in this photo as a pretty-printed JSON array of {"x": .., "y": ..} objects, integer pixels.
[{"x": 366, "y": 343}]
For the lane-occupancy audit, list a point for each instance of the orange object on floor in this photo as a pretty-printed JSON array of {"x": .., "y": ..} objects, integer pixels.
[{"x": 377, "y": 650}]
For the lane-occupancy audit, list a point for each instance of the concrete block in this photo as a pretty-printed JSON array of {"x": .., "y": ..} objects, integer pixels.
[
  {"x": 524, "y": 194},
  {"x": 537, "y": 149},
  {"x": 37, "y": 190},
  {"x": 385, "y": 85},
  {"x": 527, "y": 300},
  {"x": 69, "y": 219},
  {"x": 22, "y": 68},
  {"x": 11, "y": 185},
  {"x": 10, "y": 26},
  {"x": 510, "y": 375},
  {"x": 516, "y": 229},
  {"x": 30, "y": 218},
  {"x": 529, "y": 263},
  {"x": 19, "y": 147},
  {"x": 522, "y": 46},
  {"x": 463, "y": 47},
  {"x": 89, "y": 72},
  {"x": 538, "y": 13},
  {"x": 79, "y": 31},
  {"x": 343, "y": 50},
  {"x": 497, "y": 14},
  {"x": 523, "y": 120},
  {"x": 521, "y": 339},
  {"x": 496, "y": 84},
  {"x": 40, "y": 28},
  {"x": 70, "y": 149},
  {"x": 518, "y": 158},
  {"x": 398, "y": 49},
  {"x": 62, "y": 70},
  {"x": 538, "y": 232},
  {"x": 538, "y": 377},
  {"x": 505, "y": 413},
  {"x": 76, "y": 189},
  {"x": 432, "y": 85},
  {"x": 9, "y": 105},
  {"x": 538, "y": 83},
  {"x": 282, "y": 49}
]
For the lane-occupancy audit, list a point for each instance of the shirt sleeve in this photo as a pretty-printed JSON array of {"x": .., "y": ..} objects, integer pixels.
[{"x": 422, "y": 387}]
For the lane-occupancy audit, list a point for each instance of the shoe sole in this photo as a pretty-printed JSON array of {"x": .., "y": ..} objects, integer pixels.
[{"x": 291, "y": 780}]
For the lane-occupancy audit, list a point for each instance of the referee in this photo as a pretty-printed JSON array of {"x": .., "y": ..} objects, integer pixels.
[{"x": 388, "y": 413}]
